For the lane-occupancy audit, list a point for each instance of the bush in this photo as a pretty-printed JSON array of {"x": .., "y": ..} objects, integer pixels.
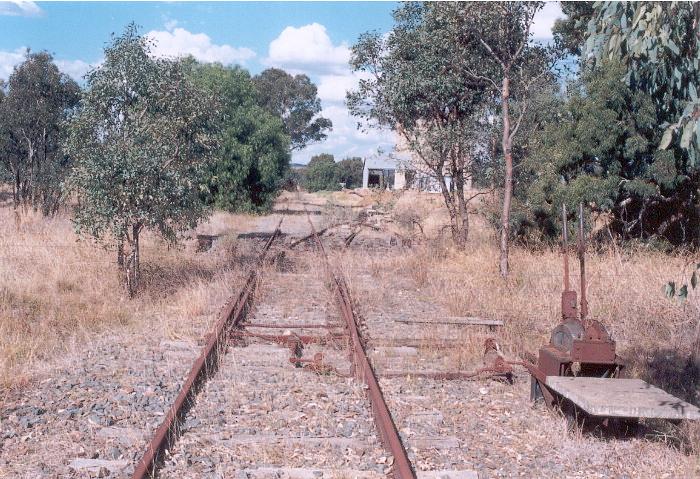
[{"x": 321, "y": 174}]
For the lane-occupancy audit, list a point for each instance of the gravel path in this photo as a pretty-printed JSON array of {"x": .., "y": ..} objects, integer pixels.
[{"x": 94, "y": 415}]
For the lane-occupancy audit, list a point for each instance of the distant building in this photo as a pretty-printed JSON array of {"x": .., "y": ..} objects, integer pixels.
[
  {"x": 411, "y": 172},
  {"x": 377, "y": 175}
]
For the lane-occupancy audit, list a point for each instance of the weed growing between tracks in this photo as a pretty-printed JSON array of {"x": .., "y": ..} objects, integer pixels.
[{"x": 58, "y": 294}]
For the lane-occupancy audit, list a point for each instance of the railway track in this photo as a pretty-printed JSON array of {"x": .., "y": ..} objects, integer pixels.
[
  {"x": 257, "y": 415},
  {"x": 296, "y": 390}
]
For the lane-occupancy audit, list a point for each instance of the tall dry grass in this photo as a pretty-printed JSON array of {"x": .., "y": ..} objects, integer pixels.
[
  {"x": 59, "y": 294},
  {"x": 625, "y": 286}
]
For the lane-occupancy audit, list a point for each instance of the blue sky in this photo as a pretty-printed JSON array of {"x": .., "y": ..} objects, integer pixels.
[{"x": 300, "y": 37}]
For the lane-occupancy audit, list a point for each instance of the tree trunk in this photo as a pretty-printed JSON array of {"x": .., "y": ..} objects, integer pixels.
[
  {"x": 508, "y": 186},
  {"x": 120, "y": 252},
  {"x": 451, "y": 209},
  {"x": 137, "y": 258},
  {"x": 16, "y": 190},
  {"x": 132, "y": 266},
  {"x": 462, "y": 212}
]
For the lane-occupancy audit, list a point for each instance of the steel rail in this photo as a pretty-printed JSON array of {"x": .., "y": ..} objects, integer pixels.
[
  {"x": 204, "y": 367},
  {"x": 402, "y": 467}
]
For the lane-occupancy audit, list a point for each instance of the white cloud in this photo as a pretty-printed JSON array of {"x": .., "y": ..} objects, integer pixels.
[
  {"x": 309, "y": 49},
  {"x": 8, "y": 60},
  {"x": 20, "y": 8},
  {"x": 346, "y": 140},
  {"x": 171, "y": 24},
  {"x": 544, "y": 20},
  {"x": 75, "y": 68},
  {"x": 179, "y": 42},
  {"x": 332, "y": 88}
]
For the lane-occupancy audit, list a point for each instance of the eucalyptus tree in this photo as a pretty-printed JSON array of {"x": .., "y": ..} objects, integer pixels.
[
  {"x": 414, "y": 84},
  {"x": 294, "y": 99},
  {"x": 601, "y": 151},
  {"x": 321, "y": 173},
  {"x": 570, "y": 31},
  {"x": 496, "y": 52},
  {"x": 38, "y": 100},
  {"x": 659, "y": 46},
  {"x": 349, "y": 172},
  {"x": 141, "y": 141}
]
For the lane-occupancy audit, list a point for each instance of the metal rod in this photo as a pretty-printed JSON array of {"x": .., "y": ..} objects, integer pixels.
[
  {"x": 565, "y": 247},
  {"x": 582, "y": 261}
]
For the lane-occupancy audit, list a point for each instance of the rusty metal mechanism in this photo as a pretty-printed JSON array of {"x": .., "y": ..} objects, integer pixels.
[
  {"x": 317, "y": 365},
  {"x": 578, "y": 346},
  {"x": 496, "y": 366}
]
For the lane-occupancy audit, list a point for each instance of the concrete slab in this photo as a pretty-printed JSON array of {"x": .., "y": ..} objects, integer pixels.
[{"x": 622, "y": 398}]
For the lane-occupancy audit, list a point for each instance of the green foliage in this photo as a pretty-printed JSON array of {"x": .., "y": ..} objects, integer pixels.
[
  {"x": 659, "y": 46},
  {"x": 141, "y": 142},
  {"x": 294, "y": 178},
  {"x": 601, "y": 150},
  {"x": 253, "y": 155},
  {"x": 38, "y": 99},
  {"x": 321, "y": 174},
  {"x": 415, "y": 81},
  {"x": 294, "y": 100},
  {"x": 570, "y": 32},
  {"x": 349, "y": 172},
  {"x": 682, "y": 292}
]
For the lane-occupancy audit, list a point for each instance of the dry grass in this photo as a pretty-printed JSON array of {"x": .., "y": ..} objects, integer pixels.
[
  {"x": 625, "y": 287},
  {"x": 58, "y": 294}
]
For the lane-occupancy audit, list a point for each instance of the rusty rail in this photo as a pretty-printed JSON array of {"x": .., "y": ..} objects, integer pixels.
[
  {"x": 402, "y": 468},
  {"x": 205, "y": 366}
]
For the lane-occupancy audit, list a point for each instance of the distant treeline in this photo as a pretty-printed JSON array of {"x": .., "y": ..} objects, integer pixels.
[
  {"x": 324, "y": 173},
  {"x": 253, "y": 122}
]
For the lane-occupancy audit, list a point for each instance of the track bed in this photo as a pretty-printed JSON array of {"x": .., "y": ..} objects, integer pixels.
[{"x": 263, "y": 417}]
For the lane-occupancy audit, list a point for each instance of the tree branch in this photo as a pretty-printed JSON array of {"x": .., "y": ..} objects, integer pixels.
[
  {"x": 491, "y": 52},
  {"x": 527, "y": 37},
  {"x": 515, "y": 129},
  {"x": 480, "y": 193},
  {"x": 480, "y": 77}
]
